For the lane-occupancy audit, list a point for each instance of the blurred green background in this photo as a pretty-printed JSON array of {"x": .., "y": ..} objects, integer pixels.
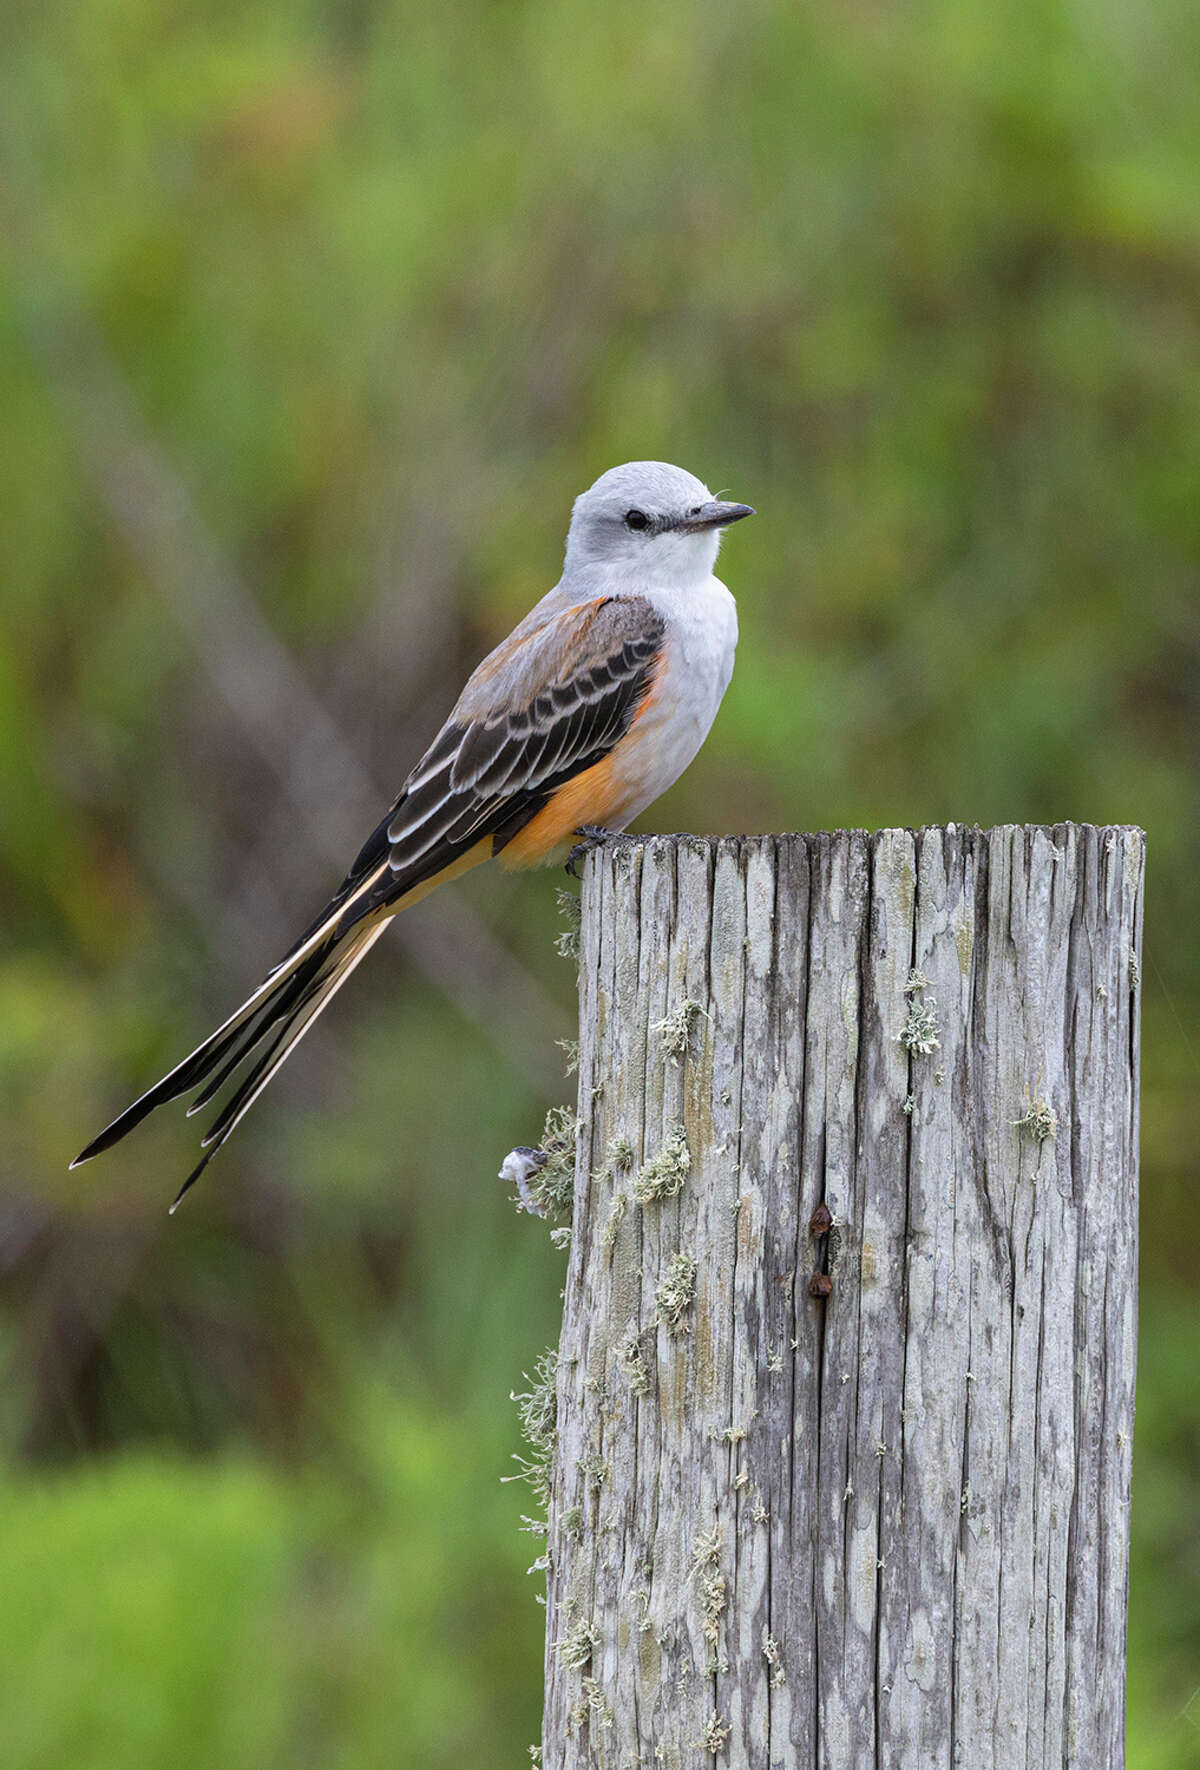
[{"x": 314, "y": 319}]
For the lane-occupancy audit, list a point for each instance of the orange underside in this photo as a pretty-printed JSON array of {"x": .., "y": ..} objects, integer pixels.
[{"x": 593, "y": 797}]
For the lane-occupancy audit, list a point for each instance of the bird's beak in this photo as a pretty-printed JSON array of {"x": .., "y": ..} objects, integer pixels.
[{"x": 715, "y": 515}]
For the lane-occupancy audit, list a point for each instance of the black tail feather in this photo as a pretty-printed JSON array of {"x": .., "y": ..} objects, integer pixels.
[
  {"x": 233, "y": 1040},
  {"x": 293, "y": 993},
  {"x": 190, "y": 1181},
  {"x": 279, "y": 1015},
  {"x": 303, "y": 1007},
  {"x": 224, "y": 1121},
  {"x": 279, "y": 1007}
]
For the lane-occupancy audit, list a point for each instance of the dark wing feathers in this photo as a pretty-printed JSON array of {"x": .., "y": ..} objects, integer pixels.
[{"x": 543, "y": 726}]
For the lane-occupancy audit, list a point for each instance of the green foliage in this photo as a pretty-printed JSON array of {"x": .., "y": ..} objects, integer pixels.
[
  {"x": 168, "y": 1614},
  {"x": 313, "y": 322},
  {"x": 1164, "y": 1623}
]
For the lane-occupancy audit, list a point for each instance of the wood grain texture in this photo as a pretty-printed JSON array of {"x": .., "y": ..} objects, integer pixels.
[{"x": 887, "y": 1526}]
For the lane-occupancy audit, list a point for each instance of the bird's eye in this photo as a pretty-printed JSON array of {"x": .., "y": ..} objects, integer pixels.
[{"x": 636, "y": 519}]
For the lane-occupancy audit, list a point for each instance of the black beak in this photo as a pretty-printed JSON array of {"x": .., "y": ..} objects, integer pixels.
[{"x": 715, "y": 515}]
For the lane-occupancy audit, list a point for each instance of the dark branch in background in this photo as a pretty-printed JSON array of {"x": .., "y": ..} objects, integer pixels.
[{"x": 325, "y": 786}]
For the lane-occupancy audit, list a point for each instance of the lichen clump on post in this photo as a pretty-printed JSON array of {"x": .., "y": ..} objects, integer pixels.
[
  {"x": 617, "y": 1158},
  {"x": 537, "y": 1407},
  {"x": 575, "y": 1647},
  {"x": 674, "y": 1031},
  {"x": 715, "y": 1734},
  {"x": 712, "y": 1595},
  {"x": 636, "y": 1368},
  {"x": 1039, "y": 1119},
  {"x": 664, "y": 1174},
  {"x": 919, "y": 1034},
  {"x": 566, "y": 944},
  {"x": 554, "y": 1186},
  {"x": 676, "y": 1294}
]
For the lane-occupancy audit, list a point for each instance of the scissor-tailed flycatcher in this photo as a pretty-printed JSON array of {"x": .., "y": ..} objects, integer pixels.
[{"x": 588, "y": 711}]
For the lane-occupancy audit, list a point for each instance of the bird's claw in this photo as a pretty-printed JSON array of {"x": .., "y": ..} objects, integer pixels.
[{"x": 592, "y": 837}]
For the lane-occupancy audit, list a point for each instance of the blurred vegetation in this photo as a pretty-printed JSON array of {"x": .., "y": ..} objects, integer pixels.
[{"x": 314, "y": 318}]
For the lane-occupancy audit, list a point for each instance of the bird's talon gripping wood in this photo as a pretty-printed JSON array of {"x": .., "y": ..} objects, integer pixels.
[{"x": 592, "y": 835}]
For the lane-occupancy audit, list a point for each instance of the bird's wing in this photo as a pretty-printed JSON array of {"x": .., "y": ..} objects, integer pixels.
[
  {"x": 548, "y": 703},
  {"x": 551, "y": 701}
]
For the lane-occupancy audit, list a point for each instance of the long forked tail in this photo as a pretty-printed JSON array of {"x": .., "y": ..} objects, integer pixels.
[{"x": 275, "y": 1018}]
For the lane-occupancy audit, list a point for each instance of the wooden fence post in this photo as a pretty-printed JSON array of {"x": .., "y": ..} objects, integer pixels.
[{"x": 857, "y": 1497}]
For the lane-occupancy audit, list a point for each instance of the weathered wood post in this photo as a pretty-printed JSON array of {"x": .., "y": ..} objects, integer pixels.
[{"x": 857, "y": 1497}]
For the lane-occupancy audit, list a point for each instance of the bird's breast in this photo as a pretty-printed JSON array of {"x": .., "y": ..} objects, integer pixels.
[
  {"x": 677, "y": 714},
  {"x": 669, "y": 727}
]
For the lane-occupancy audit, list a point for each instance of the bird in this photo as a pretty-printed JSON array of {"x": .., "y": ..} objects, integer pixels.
[{"x": 591, "y": 708}]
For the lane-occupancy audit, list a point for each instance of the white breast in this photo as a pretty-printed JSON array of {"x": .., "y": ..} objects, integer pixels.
[{"x": 697, "y": 663}]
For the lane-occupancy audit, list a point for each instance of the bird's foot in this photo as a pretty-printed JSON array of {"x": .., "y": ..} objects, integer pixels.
[{"x": 593, "y": 835}]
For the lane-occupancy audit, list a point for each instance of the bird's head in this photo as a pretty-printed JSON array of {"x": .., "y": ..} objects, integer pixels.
[{"x": 650, "y": 520}]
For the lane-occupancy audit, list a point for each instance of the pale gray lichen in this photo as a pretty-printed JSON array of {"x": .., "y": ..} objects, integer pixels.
[
  {"x": 664, "y": 1174},
  {"x": 917, "y": 981},
  {"x": 676, "y": 1293},
  {"x": 570, "y": 908},
  {"x": 553, "y": 1187},
  {"x": 674, "y": 1031},
  {"x": 618, "y": 1159},
  {"x": 919, "y": 1034},
  {"x": 593, "y": 1708},
  {"x": 636, "y": 1368},
  {"x": 1039, "y": 1119},
  {"x": 712, "y": 1593},
  {"x": 537, "y": 1408},
  {"x": 715, "y": 1734},
  {"x": 577, "y": 1645},
  {"x": 594, "y": 1470}
]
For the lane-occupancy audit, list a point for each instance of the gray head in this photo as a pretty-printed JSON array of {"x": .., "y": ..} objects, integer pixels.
[{"x": 649, "y": 519}]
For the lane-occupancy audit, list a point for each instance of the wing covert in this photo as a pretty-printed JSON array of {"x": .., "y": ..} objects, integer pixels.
[{"x": 533, "y": 715}]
